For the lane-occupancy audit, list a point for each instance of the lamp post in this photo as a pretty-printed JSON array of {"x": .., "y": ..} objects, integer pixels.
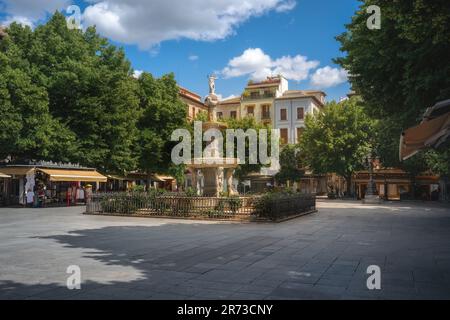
[{"x": 371, "y": 195}]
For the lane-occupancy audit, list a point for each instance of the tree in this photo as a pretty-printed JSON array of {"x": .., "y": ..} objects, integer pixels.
[
  {"x": 291, "y": 164},
  {"x": 161, "y": 112},
  {"x": 248, "y": 123},
  {"x": 337, "y": 139},
  {"x": 400, "y": 69},
  {"x": 82, "y": 86},
  {"x": 27, "y": 129}
]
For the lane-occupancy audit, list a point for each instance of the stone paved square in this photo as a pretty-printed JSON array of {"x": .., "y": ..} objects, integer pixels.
[{"x": 320, "y": 256}]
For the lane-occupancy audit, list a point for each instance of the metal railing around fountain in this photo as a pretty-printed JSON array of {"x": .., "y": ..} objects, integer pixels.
[
  {"x": 216, "y": 208},
  {"x": 142, "y": 204}
]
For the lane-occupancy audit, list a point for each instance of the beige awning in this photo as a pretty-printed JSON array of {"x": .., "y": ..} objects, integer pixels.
[
  {"x": 428, "y": 133},
  {"x": 163, "y": 178},
  {"x": 18, "y": 171},
  {"x": 61, "y": 175},
  {"x": 4, "y": 176}
]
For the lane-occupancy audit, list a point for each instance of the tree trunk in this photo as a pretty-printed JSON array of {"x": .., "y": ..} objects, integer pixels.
[
  {"x": 348, "y": 182},
  {"x": 147, "y": 182}
]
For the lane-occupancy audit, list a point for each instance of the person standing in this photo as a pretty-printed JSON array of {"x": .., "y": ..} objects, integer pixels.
[{"x": 30, "y": 198}]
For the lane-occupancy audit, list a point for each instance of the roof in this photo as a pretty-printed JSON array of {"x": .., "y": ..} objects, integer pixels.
[
  {"x": 189, "y": 96},
  {"x": 188, "y": 93},
  {"x": 300, "y": 94},
  {"x": 235, "y": 100}
]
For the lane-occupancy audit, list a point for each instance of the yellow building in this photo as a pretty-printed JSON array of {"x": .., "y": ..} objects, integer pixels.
[
  {"x": 258, "y": 98},
  {"x": 229, "y": 108}
]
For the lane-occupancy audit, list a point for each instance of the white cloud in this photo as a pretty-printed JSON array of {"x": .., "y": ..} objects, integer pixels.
[
  {"x": 148, "y": 23},
  {"x": 193, "y": 57},
  {"x": 328, "y": 77},
  {"x": 28, "y": 12},
  {"x": 137, "y": 73},
  {"x": 258, "y": 65},
  {"x": 286, "y": 6},
  {"x": 20, "y": 20}
]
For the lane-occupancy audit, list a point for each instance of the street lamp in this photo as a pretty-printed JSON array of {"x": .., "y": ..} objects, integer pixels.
[{"x": 371, "y": 195}]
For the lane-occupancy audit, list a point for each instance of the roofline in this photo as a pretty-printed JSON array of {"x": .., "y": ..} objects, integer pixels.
[{"x": 302, "y": 97}]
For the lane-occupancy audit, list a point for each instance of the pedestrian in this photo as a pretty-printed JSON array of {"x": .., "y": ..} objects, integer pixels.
[{"x": 30, "y": 198}]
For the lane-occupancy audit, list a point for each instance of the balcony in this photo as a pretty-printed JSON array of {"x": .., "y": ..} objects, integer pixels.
[{"x": 257, "y": 96}]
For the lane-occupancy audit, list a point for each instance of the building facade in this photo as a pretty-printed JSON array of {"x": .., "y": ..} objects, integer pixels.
[
  {"x": 258, "y": 98},
  {"x": 229, "y": 108},
  {"x": 194, "y": 103},
  {"x": 290, "y": 112}
]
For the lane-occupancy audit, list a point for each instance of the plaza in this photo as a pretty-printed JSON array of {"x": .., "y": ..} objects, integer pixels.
[{"x": 319, "y": 256}]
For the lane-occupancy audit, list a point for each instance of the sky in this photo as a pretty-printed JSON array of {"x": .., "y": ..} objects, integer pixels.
[{"x": 237, "y": 40}]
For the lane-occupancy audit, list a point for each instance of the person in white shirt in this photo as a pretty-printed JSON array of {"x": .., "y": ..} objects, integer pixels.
[{"x": 30, "y": 198}]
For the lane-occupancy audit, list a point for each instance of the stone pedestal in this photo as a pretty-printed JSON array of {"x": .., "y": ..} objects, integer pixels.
[
  {"x": 211, "y": 182},
  {"x": 371, "y": 199}
]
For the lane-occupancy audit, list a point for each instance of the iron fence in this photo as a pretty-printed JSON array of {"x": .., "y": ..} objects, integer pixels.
[{"x": 181, "y": 206}]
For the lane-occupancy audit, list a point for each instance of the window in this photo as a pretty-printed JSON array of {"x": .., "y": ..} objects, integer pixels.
[
  {"x": 265, "y": 111},
  {"x": 283, "y": 114},
  {"x": 251, "y": 110},
  {"x": 219, "y": 115},
  {"x": 233, "y": 114},
  {"x": 284, "y": 135},
  {"x": 193, "y": 112},
  {"x": 299, "y": 133},
  {"x": 300, "y": 113}
]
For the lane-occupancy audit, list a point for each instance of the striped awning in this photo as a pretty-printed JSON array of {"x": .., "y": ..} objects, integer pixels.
[{"x": 61, "y": 175}]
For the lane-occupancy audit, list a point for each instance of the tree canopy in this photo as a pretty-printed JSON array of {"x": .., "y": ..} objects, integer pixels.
[
  {"x": 400, "y": 69},
  {"x": 292, "y": 164},
  {"x": 70, "y": 95},
  {"x": 337, "y": 139}
]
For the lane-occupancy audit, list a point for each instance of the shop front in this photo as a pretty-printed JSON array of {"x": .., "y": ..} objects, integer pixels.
[
  {"x": 396, "y": 184},
  {"x": 44, "y": 184},
  {"x": 4, "y": 178}
]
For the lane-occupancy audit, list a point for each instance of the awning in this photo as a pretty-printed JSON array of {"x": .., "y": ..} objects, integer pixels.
[
  {"x": 114, "y": 177},
  {"x": 430, "y": 133},
  {"x": 18, "y": 171},
  {"x": 61, "y": 175},
  {"x": 163, "y": 178},
  {"x": 4, "y": 176}
]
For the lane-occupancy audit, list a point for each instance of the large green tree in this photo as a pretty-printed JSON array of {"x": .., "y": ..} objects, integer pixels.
[
  {"x": 245, "y": 124},
  {"x": 161, "y": 112},
  {"x": 400, "y": 69},
  {"x": 27, "y": 129},
  {"x": 84, "y": 84},
  {"x": 292, "y": 164},
  {"x": 338, "y": 139}
]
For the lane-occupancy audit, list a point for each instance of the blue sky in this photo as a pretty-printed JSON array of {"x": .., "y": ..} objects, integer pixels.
[{"x": 193, "y": 38}]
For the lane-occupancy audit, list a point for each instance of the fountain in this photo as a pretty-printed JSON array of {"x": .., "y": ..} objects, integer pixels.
[{"x": 215, "y": 169}]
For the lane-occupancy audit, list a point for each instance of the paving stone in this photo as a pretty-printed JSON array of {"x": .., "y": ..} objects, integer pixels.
[{"x": 321, "y": 256}]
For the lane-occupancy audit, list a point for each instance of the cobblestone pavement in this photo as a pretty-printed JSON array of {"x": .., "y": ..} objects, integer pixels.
[{"x": 320, "y": 256}]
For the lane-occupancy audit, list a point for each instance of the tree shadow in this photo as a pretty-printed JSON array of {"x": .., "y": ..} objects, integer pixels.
[{"x": 164, "y": 262}]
